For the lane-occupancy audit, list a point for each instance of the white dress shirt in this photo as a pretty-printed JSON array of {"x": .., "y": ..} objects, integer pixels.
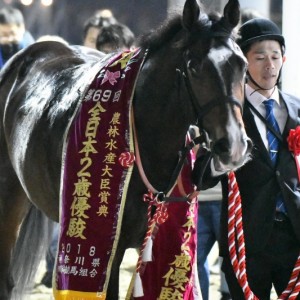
[{"x": 280, "y": 112}]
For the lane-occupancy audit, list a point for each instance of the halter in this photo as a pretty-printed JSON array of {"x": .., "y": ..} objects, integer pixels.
[
  {"x": 164, "y": 196},
  {"x": 201, "y": 111}
]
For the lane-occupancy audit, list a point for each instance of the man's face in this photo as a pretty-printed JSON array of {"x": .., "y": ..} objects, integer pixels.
[
  {"x": 91, "y": 37},
  {"x": 264, "y": 63},
  {"x": 11, "y": 34}
]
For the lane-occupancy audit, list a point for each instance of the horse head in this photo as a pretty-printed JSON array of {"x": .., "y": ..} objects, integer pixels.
[{"x": 214, "y": 74}]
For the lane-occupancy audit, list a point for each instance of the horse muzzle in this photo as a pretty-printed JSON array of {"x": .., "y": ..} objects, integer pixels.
[{"x": 231, "y": 156}]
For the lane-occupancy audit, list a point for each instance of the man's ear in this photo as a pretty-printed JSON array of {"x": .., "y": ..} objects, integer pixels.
[{"x": 283, "y": 59}]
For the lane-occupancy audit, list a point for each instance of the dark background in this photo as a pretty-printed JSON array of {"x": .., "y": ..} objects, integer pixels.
[{"x": 66, "y": 17}]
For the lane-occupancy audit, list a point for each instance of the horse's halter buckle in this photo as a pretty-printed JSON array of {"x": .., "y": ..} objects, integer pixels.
[{"x": 159, "y": 197}]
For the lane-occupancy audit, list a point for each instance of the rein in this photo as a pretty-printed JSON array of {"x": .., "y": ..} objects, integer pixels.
[{"x": 163, "y": 196}]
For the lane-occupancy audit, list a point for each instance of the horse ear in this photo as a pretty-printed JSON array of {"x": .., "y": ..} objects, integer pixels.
[
  {"x": 232, "y": 12},
  {"x": 191, "y": 12}
]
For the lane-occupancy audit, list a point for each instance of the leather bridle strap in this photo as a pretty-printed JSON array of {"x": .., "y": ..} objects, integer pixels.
[
  {"x": 203, "y": 110},
  {"x": 162, "y": 196}
]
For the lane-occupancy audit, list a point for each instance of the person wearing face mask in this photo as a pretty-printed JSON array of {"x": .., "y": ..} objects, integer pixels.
[
  {"x": 13, "y": 35},
  {"x": 268, "y": 184}
]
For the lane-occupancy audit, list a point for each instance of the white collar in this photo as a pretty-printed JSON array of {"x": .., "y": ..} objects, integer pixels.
[{"x": 256, "y": 99}]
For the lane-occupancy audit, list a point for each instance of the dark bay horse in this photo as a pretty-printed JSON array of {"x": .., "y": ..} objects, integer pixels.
[{"x": 193, "y": 73}]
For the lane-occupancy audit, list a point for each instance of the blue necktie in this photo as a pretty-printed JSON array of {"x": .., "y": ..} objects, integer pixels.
[
  {"x": 273, "y": 144},
  {"x": 272, "y": 139}
]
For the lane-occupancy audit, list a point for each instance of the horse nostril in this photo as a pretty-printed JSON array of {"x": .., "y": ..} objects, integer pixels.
[{"x": 221, "y": 146}]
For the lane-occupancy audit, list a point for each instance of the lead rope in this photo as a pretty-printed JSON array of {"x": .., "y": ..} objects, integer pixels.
[
  {"x": 145, "y": 255},
  {"x": 235, "y": 230},
  {"x": 236, "y": 236}
]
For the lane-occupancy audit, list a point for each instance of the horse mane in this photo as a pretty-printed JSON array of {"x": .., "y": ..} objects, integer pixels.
[
  {"x": 155, "y": 38},
  {"x": 207, "y": 23}
]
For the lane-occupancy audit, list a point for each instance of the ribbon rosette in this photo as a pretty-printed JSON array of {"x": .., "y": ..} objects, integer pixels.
[
  {"x": 126, "y": 159},
  {"x": 294, "y": 146}
]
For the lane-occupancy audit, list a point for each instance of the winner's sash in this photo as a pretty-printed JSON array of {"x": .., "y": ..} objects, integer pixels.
[{"x": 97, "y": 166}]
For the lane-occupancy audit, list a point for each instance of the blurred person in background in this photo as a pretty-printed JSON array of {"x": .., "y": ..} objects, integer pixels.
[
  {"x": 13, "y": 34},
  {"x": 208, "y": 233},
  {"x": 249, "y": 13},
  {"x": 93, "y": 25},
  {"x": 115, "y": 37}
]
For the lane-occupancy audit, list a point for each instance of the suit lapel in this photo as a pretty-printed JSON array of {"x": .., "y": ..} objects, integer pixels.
[
  {"x": 293, "y": 120},
  {"x": 254, "y": 134},
  {"x": 293, "y": 117}
]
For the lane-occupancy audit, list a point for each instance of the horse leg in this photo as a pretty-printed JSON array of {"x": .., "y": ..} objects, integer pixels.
[
  {"x": 113, "y": 286},
  {"x": 13, "y": 208}
]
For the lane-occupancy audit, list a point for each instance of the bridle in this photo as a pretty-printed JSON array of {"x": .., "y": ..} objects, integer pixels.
[
  {"x": 201, "y": 111},
  {"x": 202, "y": 139}
]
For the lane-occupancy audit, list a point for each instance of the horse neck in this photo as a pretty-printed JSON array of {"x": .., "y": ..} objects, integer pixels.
[{"x": 163, "y": 113}]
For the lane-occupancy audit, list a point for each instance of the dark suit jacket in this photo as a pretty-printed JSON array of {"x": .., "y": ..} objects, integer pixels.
[{"x": 259, "y": 183}]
